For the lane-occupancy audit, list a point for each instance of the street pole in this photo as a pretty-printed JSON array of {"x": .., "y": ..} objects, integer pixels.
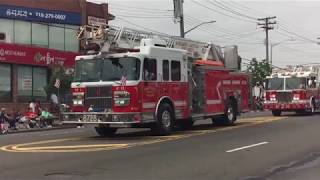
[
  {"x": 178, "y": 15},
  {"x": 276, "y": 44},
  {"x": 267, "y": 26},
  {"x": 267, "y": 41},
  {"x": 182, "y": 24},
  {"x": 198, "y": 26}
]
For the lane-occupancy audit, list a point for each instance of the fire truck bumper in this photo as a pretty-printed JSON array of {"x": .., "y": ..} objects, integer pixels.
[
  {"x": 111, "y": 118},
  {"x": 294, "y": 106}
]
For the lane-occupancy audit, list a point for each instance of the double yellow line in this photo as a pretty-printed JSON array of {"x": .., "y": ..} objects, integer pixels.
[{"x": 45, "y": 147}]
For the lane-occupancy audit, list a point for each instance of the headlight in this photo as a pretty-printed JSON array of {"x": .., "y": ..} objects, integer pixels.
[
  {"x": 121, "y": 98},
  {"x": 78, "y": 102}
]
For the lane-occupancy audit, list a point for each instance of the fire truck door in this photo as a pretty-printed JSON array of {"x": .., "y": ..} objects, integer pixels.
[
  {"x": 150, "y": 86},
  {"x": 165, "y": 77}
]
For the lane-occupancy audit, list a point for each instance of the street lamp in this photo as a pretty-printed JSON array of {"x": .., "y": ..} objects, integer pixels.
[
  {"x": 276, "y": 44},
  {"x": 208, "y": 22}
]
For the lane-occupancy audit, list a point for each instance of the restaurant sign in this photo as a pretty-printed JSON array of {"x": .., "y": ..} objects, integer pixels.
[{"x": 35, "y": 56}]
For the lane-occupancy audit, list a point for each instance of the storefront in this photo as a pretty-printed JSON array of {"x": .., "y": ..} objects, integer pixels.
[
  {"x": 25, "y": 70},
  {"x": 36, "y": 37}
]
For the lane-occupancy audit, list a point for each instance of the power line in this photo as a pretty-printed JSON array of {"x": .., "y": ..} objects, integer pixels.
[
  {"x": 139, "y": 8},
  {"x": 226, "y": 8},
  {"x": 216, "y": 11},
  {"x": 143, "y": 27},
  {"x": 145, "y": 17}
]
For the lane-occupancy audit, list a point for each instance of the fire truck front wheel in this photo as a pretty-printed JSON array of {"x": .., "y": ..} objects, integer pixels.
[
  {"x": 276, "y": 113},
  {"x": 165, "y": 120},
  {"x": 105, "y": 131}
]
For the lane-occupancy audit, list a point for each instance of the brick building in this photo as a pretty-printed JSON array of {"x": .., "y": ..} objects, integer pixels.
[{"x": 35, "y": 35}]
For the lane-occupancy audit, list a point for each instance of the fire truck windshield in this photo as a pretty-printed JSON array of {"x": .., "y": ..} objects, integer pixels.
[
  {"x": 275, "y": 84},
  {"x": 107, "y": 69},
  {"x": 296, "y": 83}
]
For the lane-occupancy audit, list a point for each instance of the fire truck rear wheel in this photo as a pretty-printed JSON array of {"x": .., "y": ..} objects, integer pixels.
[
  {"x": 165, "y": 120},
  {"x": 276, "y": 113},
  {"x": 229, "y": 117},
  {"x": 105, "y": 131}
]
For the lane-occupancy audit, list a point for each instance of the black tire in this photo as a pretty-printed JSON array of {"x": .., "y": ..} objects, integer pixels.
[
  {"x": 186, "y": 124},
  {"x": 164, "y": 122},
  {"x": 276, "y": 112},
  {"x": 104, "y": 131},
  {"x": 229, "y": 117}
]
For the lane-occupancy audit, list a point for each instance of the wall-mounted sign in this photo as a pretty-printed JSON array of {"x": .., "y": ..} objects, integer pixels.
[
  {"x": 35, "y": 56},
  {"x": 40, "y": 15},
  {"x": 94, "y": 21}
]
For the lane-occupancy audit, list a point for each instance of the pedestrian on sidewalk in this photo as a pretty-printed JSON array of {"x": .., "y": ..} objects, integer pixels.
[
  {"x": 13, "y": 119},
  {"x": 3, "y": 119},
  {"x": 32, "y": 105},
  {"x": 46, "y": 118}
]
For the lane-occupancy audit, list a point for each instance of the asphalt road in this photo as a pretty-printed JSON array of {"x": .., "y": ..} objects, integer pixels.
[{"x": 259, "y": 147}]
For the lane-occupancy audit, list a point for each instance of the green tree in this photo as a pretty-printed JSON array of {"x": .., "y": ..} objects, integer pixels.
[{"x": 259, "y": 70}]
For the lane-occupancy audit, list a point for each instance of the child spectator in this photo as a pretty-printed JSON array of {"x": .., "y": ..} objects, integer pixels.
[
  {"x": 47, "y": 118},
  {"x": 3, "y": 119}
]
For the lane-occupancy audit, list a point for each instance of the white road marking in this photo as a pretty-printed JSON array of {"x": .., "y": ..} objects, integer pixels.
[{"x": 246, "y": 147}]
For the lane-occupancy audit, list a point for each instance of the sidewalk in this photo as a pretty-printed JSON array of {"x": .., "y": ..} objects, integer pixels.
[{"x": 56, "y": 125}]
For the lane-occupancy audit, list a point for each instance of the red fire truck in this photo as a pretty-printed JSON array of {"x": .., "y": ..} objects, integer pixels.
[
  {"x": 141, "y": 79},
  {"x": 296, "y": 89}
]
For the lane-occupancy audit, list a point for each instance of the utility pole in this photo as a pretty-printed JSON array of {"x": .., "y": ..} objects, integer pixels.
[
  {"x": 181, "y": 24},
  {"x": 178, "y": 15},
  {"x": 267, "y": 25}
]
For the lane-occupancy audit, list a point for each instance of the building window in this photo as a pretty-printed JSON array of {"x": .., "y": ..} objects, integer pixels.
[
  {"x": 31, "y": 83},
  {"x": 40, "y": 77},
  {"x": 150, "y": 69},
  {"x": 22, "y": 32},
  {"x": 7, "y": 28},
  {"x": 175, "y": 71},
  {"x": 5, "y": 83},
  {"x": 40, "y": 35},
  {"x": 56, "y": 37},
  {"x": 71, "y": 41},
  {"x": 165, "y": 70}
]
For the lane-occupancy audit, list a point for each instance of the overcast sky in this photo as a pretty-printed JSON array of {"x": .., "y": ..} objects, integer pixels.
[{"x": 294, "y": 37}]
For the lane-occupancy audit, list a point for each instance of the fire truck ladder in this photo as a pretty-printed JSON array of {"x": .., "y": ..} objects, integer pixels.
[{"x": 114, "y": 37}]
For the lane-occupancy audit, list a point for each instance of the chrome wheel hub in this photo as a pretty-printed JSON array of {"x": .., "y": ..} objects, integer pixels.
[{"x": 166, "y": 118}]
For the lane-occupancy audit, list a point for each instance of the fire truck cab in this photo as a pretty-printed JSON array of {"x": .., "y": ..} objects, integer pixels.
[
  {"x": 296, "y": 90},
  {"x": 156, "y": 86}
]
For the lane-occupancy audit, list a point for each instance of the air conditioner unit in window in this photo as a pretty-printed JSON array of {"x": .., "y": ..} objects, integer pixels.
[{"x": 3, "y": 37}]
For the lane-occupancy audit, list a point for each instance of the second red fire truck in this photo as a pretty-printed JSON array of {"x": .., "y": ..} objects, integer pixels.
[
  {"x": 139, "y": 79},
  {"x": 296, "y": 90}
]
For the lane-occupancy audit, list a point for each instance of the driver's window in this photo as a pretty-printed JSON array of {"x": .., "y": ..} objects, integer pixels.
[
  {"x": 150, "y": 69},
  {"x": 312, "y": 82}
]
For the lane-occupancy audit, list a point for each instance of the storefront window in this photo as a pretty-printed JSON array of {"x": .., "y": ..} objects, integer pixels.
[
  {"x": 40, "y": 35},
  {"x": 56, "y": 37},
  {"x": 7, "y": 28},
  {"x": 40, "y": 77},
  {"x": 71, "y": 41},
  {"x": 22, "y": 32},
  {"x": 31, "y": 83},
  {"x": 5, "y": 83}
]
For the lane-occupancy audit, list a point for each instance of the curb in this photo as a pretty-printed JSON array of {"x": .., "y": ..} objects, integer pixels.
[{"x": 39, "y": 129}]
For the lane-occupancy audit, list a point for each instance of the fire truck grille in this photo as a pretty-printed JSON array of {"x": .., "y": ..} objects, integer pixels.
[
  {"x": 99, "y": 97},
  {"x": 284, "y": 97}
]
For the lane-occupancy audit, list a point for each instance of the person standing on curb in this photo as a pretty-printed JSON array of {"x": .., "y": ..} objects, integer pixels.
[{"x": 3, "y": 119}]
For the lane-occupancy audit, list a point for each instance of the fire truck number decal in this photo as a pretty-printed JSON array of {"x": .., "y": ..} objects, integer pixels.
[{"x": 89, "y": 118}]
